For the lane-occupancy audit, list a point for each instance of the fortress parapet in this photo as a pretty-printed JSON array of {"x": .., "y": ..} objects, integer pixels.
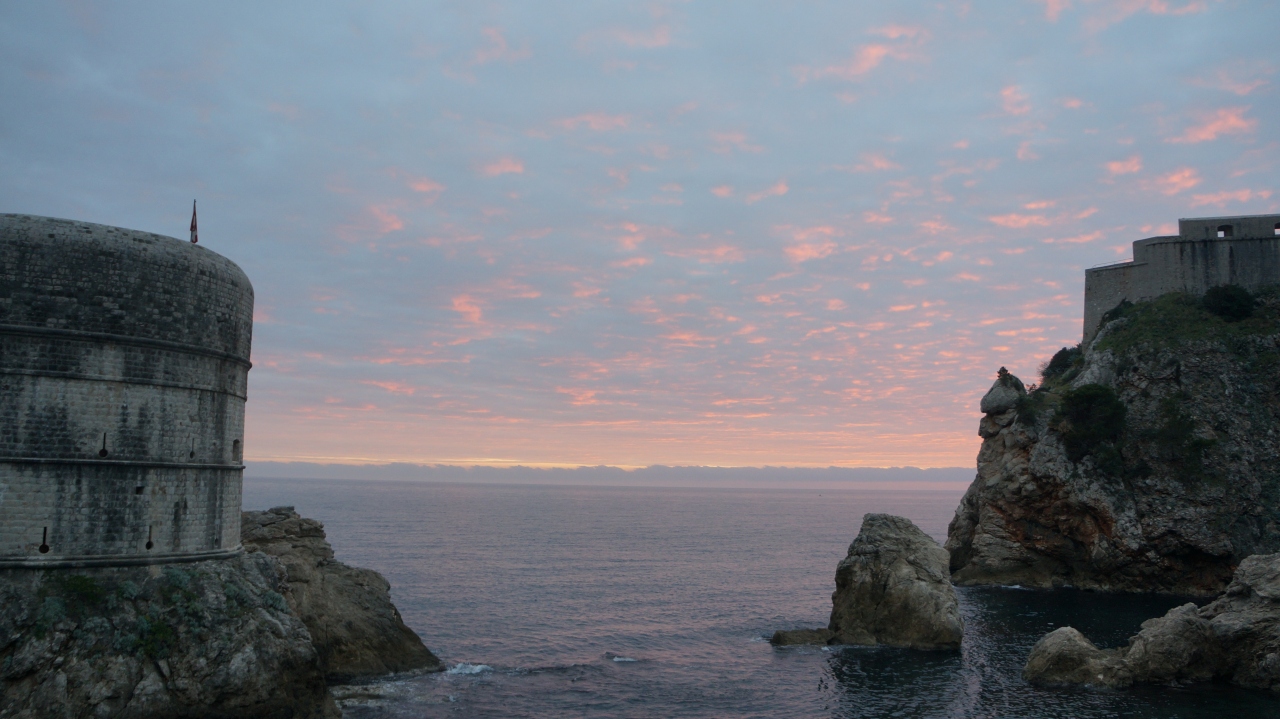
[
  {"x": 1206, "y": 252},
  {"x": 124, "y": 358}
]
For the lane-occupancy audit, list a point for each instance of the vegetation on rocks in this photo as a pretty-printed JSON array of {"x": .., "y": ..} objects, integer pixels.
[{"x": 1148, "y": 461}]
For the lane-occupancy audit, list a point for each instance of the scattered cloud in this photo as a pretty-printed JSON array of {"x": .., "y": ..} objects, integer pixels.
[
  {"x": 722, "y": 191},
  {"x": 1014, "y": 101},
  {"x": 1125, "y": 167},
  {"x": 1227, "y": 121},
  {"x": 1221, "y": 199},
  {"x": 1177, "y": 181},
  {"x": 776, "y": 190},
  {"x": 497, "y": 49},
  {"x": 1018, "y": 222},
  {"x": 726, "y": 142},
  {"x": 503, "y": 166},
  {"x": 597, "y": 121}
]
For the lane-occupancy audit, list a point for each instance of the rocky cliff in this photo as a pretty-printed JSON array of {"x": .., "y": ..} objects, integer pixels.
[
  {"x": 356, "y": 630},
  {"x": 206, "y": 639},
  {"x": 1147, "y": 461},
  {"x": 256, "y": 636}
]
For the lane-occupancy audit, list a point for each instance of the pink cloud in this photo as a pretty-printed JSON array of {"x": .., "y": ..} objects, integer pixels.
[
  {"x": 812, "y": 243},
  {"x": 1053, "y": 8},
  {"x": 776, "y": 190},
  {"x": 722, "y": 191},
  {"x": 1177, "y": 181},
  {"x": 1115, "y": 11},
  {"x": 1222, "y": 198},
  {"x": 597, "y": 121},
  {"x": 468, "y": 308},
  {"x": 712, "y": 255},
  {"x": 497, "y": 49},
  {"x": 1227, "y": 121},
  {"x": 392, "y": 387},
  {"x": 875, "y": 218},
  {"x": 726, "y": 142},
  {"x": 387, "y": 220},
  {"x": 1017, "y": 221},
  {"x": 1078, "y": 239},
  {"x": 872, "y": 162},
  {"x": 631, "y": 262},
  {"x": 503, "y": 166},
  {"x": 896, "y": 32},
  {"x": 1025, "y": 152},
  {"x": 1240, "y": 78},
  {"x": 1125, "y": 167},
  {"x": 1014, "y": 100}
]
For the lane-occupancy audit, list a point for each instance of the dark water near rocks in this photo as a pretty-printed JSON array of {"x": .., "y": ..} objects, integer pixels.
[{"x": 655, "y": 602}]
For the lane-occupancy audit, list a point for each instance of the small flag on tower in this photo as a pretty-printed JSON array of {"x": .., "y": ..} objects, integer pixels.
[{"x": 194, "y": 237}]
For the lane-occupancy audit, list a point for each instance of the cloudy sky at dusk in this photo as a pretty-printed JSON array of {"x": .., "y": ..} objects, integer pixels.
[{"x": 723, "y": 233}]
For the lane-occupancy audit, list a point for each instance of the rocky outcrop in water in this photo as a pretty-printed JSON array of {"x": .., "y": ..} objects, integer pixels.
[
  {"x": 894, "y": 588},
  {"x": 1148, "y": 462},
  {"x": 206, "y": 639},
  {"x": 1236, "y": 638},
  {"x": 356, "y": 630}
]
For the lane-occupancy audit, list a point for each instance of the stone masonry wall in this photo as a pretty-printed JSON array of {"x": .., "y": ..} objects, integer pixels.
[{"x": 123, "y": 377}]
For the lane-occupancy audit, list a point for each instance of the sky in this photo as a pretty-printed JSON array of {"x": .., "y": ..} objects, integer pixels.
[{"x": 683, "y": 233}]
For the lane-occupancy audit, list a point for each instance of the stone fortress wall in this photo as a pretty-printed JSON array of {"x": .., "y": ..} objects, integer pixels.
[
  {"x": 123, "y": 371},
  {"x": 1206, "y": 252}
]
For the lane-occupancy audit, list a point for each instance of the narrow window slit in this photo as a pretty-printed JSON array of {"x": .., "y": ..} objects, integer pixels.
[
  {"x": 44, "y": 541},
  {"x": 103, "y": 452},
  {"x": 149, "y": 543}
]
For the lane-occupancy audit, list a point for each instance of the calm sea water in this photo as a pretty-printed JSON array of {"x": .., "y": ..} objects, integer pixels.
[{"x": 655, "y": 602}]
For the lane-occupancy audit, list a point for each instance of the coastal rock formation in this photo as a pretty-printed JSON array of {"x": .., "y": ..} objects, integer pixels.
[
  {"x": 356, "y": 630},
  {"x": 1236, "y": 638},
  {"x": 894, "y": 588},
  {"x": 206, "y": 639},
  {"x": 1148, "y": 461}
]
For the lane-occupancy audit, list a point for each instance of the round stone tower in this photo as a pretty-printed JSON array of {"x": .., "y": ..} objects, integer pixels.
[{"x": 124, "y": 358}]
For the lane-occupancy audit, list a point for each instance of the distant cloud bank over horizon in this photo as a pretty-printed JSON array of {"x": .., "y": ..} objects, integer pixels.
[{"x": 653, "y": 476}]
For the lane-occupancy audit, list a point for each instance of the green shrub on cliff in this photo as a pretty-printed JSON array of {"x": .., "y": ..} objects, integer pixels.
[
  {"x": 1230, "y": 302},
  {"x": 1091, "y": 420},
  {"x": 1174, "y": 318}
]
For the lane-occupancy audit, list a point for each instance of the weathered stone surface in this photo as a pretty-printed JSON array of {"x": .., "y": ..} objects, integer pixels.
[
  {"x": 792, "y": 637},
  {"x": 356, "y": 629},
  {"x": 1198, "y": 490},
  {"x": 205, "y": 639},
  {"x": 1003, "y": 395},
  {"x": 1236, "y": 638},
  {"x": 894, "y": 588},
  {"x": 129, "y": 347}
]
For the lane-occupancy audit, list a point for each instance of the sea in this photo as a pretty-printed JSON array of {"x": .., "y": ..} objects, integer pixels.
[{"x": 580, "y": 601}]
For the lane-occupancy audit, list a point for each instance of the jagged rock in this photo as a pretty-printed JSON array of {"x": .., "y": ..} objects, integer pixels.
[
  {"x": 1190, "y": 490},
  {"x": 1236, "y": 638},
  {"x": 1003, "y": 395},
  {"x": 355, "y": 628},
  {"x": 894, "y": 588},
  {"x": 205, "y": 639},
  {"x": 792, "y": 637}
]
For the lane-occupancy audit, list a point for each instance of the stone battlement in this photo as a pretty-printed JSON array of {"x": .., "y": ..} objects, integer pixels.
[{"x": 1206, "y": 252}]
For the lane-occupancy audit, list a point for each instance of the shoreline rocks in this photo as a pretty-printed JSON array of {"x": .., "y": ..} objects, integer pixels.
[
  {"x": 356, "y": 630},
  {"x": 1235, "y": 638},
  {"x": 260, "y": 635},
  {"x": 205, "y": 639}
]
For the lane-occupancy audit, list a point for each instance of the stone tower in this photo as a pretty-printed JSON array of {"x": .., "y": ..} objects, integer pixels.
[{"x": 124, "y": 358}]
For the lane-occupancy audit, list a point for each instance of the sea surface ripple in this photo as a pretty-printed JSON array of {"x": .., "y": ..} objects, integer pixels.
[{"x": 569, "y": 601}]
